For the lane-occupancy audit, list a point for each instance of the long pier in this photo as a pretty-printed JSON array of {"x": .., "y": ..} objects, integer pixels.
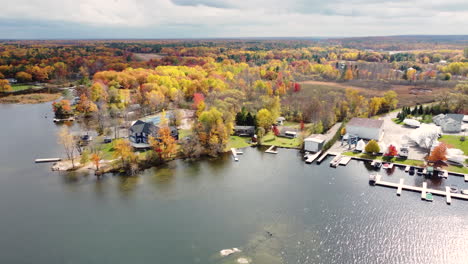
[
  {"x": 424, "y": 190},
  {"x": 47, "y": 160},
  {"x": 325, "y": 155}
]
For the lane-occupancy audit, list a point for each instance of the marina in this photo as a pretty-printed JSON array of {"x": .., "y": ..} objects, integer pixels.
[{"x": 424, "y": 190}]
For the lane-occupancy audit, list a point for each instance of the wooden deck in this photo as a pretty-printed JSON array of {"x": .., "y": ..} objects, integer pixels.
[
  {"x": 325, "y": 155},
  {"x": 401, "y": 186}
]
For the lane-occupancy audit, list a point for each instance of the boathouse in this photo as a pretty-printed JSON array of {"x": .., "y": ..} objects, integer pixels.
[{"x": 365, "y": 128}]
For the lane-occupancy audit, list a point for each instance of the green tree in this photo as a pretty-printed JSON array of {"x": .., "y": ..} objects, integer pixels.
[{"x": 372, "y": 147}]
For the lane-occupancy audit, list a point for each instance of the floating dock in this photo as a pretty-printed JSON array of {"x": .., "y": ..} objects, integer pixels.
[
  {"x": 424, "y": 190},
  {"x": 47, "y": 160},
  {"x": 311, "y": 157},
  {"x": 234, "y": 154},
  {"x": 271, "y": 151}
]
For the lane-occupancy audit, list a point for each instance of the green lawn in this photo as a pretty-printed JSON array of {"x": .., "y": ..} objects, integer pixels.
[
  {"x": 20, "y": 87},
  {"x": 454, "y": 142},
  {"x": 270, "y": 139},
  {"x": 238, "y": 142},
  {"x": 107, "y": 150},
  {"x": 393, "y": 160}
]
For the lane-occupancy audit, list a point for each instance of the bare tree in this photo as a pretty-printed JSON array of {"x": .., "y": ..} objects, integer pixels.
[{"x": 65, "y": 138}]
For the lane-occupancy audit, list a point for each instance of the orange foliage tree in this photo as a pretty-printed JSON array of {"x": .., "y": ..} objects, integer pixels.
[
  {"x": 439, "y": 153},
  {"x": 62, "y": 108},
  {"x": 392, "y": 151}
]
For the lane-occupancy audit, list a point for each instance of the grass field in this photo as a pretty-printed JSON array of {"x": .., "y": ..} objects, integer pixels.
[
  {"x": 184, "y": 133},
  {"x": 270, "y": 139},
  {"x": 20, "y": 87},
  {"x": 455, "y": 142}
]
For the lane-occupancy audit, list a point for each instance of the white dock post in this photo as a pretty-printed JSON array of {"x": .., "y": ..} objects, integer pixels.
[
  {"x": 449, "y": 197},
  {"x": 400, "y": 187},
  {"x": 423, "y": 193}
]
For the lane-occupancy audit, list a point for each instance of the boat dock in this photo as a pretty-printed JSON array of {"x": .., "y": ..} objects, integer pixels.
[
  {"x": 234, "y": 154},
  {"x": 311, "y": 157},
  {"x": 47, "y": 160},
  {"x": 325, "y": 155},
  {"x": 344, "y": 160},
  {"x": 271, "y": 151},
  {"x": 424, "y": 190},
  {"x": 335, "y": 161}
]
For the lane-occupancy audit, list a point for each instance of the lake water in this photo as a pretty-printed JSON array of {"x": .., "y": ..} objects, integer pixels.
[{"x": 275, "y": 208}]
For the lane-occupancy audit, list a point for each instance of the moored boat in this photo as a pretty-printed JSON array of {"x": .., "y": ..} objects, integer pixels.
[{"x": 429, "y": 197}]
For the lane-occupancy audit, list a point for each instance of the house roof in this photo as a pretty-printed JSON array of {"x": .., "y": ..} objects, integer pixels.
[
  {"x": 245, "y": 127},
  {"x": 366, "y": 122},
  {"x": 142, "y": 127},
  {"x": 456, "y": 117}
]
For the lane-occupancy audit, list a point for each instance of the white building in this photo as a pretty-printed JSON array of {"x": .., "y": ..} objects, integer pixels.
[
  {"x": 314, "y": 144},
  {"x": 365, "y": 128},
  {"x": 450, "y": 123}
]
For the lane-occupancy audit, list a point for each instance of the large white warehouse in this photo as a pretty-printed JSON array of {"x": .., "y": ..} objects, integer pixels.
[{"x": 365, "y": 128}]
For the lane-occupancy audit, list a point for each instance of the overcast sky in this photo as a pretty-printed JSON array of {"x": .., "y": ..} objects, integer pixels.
[{"x": 229, "y": 18}]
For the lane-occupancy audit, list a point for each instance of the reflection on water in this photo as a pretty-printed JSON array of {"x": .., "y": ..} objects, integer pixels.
[{"x": 275, "y": 208}]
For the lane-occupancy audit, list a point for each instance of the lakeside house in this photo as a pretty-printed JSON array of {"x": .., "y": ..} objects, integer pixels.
[
  {"x": 140, "y": 132},
  {"x": 288, "y": 132},
  {"x": 450, "y": 123},
  {"x": 365, "y": 128},
  {"x": 12, "y": 80},
  {"x": 244, "y": 131}
]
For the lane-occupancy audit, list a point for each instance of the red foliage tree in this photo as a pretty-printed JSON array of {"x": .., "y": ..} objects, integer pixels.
[
  {"x": 297, "y": 87},
  {"x": 302, "y": 125},
  {"x": 197, "y": 99},
  {"x": 276, "y": 131},
  {"x": 392, "y": 151},
  {"x": 439, "y": 153}
]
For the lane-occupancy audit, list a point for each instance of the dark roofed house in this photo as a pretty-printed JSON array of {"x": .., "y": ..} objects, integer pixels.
[
  {"x": 140, "y": 132},
  {"x": 366, "y": 128},
  {"x": 244, "y": 131}
]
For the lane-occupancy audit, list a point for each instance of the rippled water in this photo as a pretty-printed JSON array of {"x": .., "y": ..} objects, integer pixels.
[{"x": 275, "y": 208}]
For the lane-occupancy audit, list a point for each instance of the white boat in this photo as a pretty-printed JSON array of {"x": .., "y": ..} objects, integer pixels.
[
  {"x": 407, "y": 168},
  {"x": 411, "y": 122},
  {"x": 453, "y": 189}
]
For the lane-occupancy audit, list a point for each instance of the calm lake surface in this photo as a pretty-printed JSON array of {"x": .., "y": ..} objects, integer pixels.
[{"x": 275, "y": 208}]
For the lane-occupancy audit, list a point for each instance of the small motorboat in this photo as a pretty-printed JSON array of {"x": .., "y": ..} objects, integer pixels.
[
  {"x": 411, "y": 170},
  {"x": 453, "y": 188},
  {"x": 407, "y": 169},
  {"x": 420, "y": 171},
  {"x": 464, "y": 191},
  {"x": 376, "y": 164},
  {"x": 372, "y": 178},
  {"x": 387, "y": 166},
  {"x": 429, "y": 197}
]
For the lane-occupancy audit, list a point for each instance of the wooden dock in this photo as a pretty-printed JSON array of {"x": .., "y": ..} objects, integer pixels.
[
  {"x": 424, "y": 190},
  {"x": 335, "y": 161},
  {"x": 325, "y": 155},
  {"x": 344, "y": 160},
  {"x": 271, "y": 151},
  {"x": 234, "y": 154},
  {"x": 311, "y": 157},
  {"x": 47, "y": 160}
]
